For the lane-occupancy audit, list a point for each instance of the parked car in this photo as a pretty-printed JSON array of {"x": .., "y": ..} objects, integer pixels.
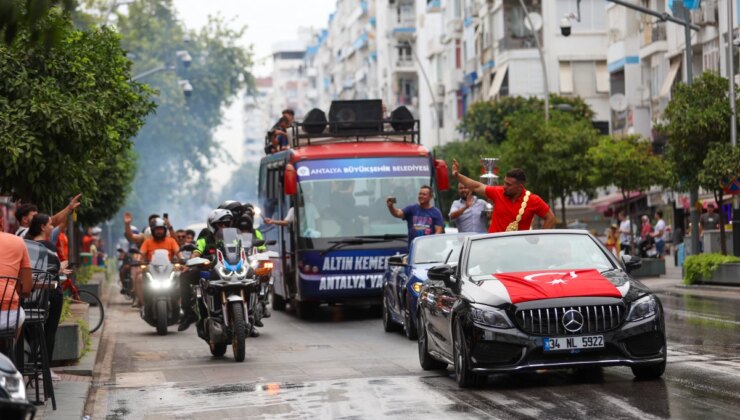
[
  {"x": 406, "y": 273},
  {"x": 13, "y": 403},
  {"x": 541, "y": 299}
]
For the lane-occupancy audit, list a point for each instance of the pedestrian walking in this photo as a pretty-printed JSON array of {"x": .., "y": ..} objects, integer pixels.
[
  {"x": 422, "y": 218},
  {"x": 625, "y": 233},
  {"x": 468, "y": 212},
  {"x": 514, "y": 206}
]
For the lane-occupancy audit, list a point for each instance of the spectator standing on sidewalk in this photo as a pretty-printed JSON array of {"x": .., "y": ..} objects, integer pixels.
[
  {"x": 468, "y": 212},
  {"x": 659, "y": 234},
  {"x": 625, "y": 233},
  {"x": 25, "y": 212},
  {"x": 422, "y": 218},
  {"x": 646, "y": 228}
]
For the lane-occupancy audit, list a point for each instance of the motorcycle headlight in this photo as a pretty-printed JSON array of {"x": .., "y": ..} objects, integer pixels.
[
  {"x": 242, "y": 271},
  {"x": 13, "y": 385},
  {"x": 254, "y": 263},
  {"x": 416, "y": 286},
  {"x": 642, "y": 308},
  {"x": 490, "y": 316},
  {"x": 224, "y": 273}
]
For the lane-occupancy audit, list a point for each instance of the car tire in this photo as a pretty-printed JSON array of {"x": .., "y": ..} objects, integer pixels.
[
  {"x": 409, "y": 326},
  {"x": 463, "y": 372},
  {"x": 388, "y": 324},
  {"x": 426, "y": 360},
  {"x": 304, "y": 310},
  {"x": 649, "y": 372}
]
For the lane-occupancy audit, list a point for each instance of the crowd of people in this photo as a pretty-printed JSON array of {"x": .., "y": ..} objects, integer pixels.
[{"x": 38, "y": 244}]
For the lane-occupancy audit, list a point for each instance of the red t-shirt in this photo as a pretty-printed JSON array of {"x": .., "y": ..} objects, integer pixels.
[
  {"x": 13, "y": 257},
  {"x": 150, "y": 245},
  {"x": 62, "y": 247},
  {"x": 505, "y": 211}
]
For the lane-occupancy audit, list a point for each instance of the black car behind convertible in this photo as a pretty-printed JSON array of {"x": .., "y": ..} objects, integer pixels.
[{"x": 538, "y": 300}]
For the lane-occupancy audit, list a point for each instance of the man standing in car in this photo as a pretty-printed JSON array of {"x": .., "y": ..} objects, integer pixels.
[
  {"x": 468, "y": 212},
  {"x": 422, "y": 218},
  {"x": 514, "y": 206}
]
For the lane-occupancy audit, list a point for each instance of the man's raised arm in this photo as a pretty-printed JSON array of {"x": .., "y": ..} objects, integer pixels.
[{"x": 473, "y": 185}]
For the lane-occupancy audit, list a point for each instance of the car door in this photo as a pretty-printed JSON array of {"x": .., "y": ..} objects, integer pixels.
[{"x": 446, "y": 298}]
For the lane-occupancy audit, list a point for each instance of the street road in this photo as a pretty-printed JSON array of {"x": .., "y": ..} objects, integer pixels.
[{"x": 342, "y": 365}]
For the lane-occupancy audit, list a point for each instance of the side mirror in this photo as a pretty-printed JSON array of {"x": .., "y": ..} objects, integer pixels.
[
  {"x": 194, "y": 262},
  {"x": 442, "y": 273},
  {"x": 270, "y": 243},
  {"x": 631, "y": 262},
  {"x": 397, "y": 260},
  {"x": 290, "y": 180},
  {"x": 442, "y": 175}
]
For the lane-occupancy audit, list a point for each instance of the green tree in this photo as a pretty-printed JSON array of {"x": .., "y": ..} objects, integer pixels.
[
  {"x": 177, "y": 146},
  {"x": 486, "y": 120},
  {"x": 552, "y": 153},
  {"x": 67, "y": 117},
  {"x": 721, "y": 165},
  {"x": 468, "y": 153},
  {"x": 697, "y": 117},
  {"x": 627, "y": 163},
  {"x": 27, "y": 16}
]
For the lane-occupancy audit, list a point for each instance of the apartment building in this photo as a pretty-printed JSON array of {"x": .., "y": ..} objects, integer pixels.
[{"x": 256, "y": 119}]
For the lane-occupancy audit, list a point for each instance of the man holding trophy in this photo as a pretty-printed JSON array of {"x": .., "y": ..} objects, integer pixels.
[{"x": 514, "y": 207}]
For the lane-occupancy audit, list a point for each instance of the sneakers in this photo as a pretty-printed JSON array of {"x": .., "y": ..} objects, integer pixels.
[
  {"x": 185, "y": 322},
  {"x": 266, "y": 312},
  {"x": 136, "y": 303},
  {"x": 258, "y": 323},
  {"x": 254, "y": 333}
]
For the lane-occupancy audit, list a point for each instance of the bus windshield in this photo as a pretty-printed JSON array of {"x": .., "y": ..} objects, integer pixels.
[{"x": 347, "y": 197}]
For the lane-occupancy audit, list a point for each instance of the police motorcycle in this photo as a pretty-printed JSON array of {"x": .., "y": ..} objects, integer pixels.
[
  {"x": 225, "y": 293},
  {"x": 161, "y": 306},
  {"x": 262, "y": 265}
]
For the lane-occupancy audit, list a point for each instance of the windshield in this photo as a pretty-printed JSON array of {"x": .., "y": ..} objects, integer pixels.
[
  {"x": 229, "y": 241},
  {"x": 347, "y": 197},
  {"x": 436, "y": 248},
  {"x": 535, "y": 252}
]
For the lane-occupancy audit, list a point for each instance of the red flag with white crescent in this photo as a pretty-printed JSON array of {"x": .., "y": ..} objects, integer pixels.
[{"x": 534, "y": 285}]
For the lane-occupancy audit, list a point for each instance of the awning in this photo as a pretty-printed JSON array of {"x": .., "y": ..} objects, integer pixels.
[
  {"x": 602, "y": 204},
  {"x": 498, "y": 80},
  {"x": 670, "y": 78}
]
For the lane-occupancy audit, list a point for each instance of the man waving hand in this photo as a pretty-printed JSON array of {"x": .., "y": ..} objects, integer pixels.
[{"x": 514, "y": 206}]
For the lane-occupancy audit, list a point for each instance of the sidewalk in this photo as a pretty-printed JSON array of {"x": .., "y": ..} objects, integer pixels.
[
  {"x": 72, "y": 390},
  {"x": 672, "y": 284}
]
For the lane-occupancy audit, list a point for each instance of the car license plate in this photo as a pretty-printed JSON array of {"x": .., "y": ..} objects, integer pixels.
[{"x": 572, "y": 343}]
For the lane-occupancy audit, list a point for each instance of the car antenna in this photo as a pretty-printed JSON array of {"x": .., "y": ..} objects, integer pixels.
[{"x": 448, "y": 255}]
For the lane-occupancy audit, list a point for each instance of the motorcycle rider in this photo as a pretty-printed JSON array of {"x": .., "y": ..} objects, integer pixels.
[
  {"x": 246, "y": 225},
  {"x": 205, "y": 246},
  {"x": 125, "y": 257},
  {"x": 159, "y": 240}
]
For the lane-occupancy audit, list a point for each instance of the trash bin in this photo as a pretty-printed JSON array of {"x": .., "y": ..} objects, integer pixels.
[{"x": 85, "y": 258}]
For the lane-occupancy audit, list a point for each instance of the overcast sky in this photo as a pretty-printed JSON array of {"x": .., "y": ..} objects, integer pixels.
[{"x": 267, "y": 22}]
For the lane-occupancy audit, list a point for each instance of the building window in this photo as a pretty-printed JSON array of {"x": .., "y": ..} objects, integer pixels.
[
  {"x": 584, "y": 78},
  {"x": 460, "y": 106},
  {"x": 710, "y": 55},
  {"x": 517, "y": 35},
  {"x": 458, "y": 54}
]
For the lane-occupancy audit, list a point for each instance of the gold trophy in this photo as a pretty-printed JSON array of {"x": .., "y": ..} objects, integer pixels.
[{"x": 489, "y": 178}]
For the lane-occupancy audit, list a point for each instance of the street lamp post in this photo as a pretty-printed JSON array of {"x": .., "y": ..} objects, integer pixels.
[
  {"x": 431, "y": 91},
  {"x": 542, "y": 59},
  {"x": 733, "y": 125}
]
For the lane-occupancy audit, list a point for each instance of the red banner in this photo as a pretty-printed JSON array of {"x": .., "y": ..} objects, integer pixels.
[{"x": 534, "y": 285}]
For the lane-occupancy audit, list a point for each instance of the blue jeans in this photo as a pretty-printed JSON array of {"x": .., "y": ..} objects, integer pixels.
[{"x": 660, "y": 247}]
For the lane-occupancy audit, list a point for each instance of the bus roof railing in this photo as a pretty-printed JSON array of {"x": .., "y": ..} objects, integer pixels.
[{"x": 357, "y": 132}]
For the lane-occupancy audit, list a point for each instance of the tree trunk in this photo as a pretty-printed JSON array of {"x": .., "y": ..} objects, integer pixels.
[
  {"x": 694, "y": 218},
  {"x": 718, "y": 196},
  {"x": 562, "y": 205}
]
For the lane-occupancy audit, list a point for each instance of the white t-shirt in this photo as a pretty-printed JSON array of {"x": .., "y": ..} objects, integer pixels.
[
  {"x": 659, "y": 228},
  {"x": 624, "y": 232}
]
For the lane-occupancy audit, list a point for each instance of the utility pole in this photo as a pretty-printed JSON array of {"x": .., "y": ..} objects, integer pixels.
[{"x": 542, "y": 59}]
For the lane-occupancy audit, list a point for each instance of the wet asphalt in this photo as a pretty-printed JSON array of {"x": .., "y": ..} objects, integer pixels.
[{"x": 342, "y": 365}]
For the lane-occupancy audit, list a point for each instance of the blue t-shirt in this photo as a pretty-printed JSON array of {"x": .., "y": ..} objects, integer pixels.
[
  {"x": 421, "y": 221},
  {"x": 283, "y": 140}
]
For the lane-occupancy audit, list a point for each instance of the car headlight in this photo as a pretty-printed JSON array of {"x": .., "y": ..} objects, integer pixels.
[
  {"x": 642, "y": 308},
  {"x": 490, "y": 316},
  {"x": 416, "y": 286},
  {"x": 13, "y": 385}
]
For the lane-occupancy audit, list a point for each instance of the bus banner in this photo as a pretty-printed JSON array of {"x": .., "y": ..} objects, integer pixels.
[
  {"x": 330, "y": 169},
  {"x": 345, "y": 273}
]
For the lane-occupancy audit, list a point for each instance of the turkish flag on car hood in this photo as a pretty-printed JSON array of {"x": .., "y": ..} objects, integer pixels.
[{"x": 534, "y": 285}]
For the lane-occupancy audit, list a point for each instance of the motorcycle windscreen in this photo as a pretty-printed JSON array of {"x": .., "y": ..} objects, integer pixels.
[
  {"x": 230, "y": 243},
  {"x": 160, "y": 263}
]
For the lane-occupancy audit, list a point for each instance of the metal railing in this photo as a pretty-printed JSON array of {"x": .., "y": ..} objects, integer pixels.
[{"x": 653, "y": 32}]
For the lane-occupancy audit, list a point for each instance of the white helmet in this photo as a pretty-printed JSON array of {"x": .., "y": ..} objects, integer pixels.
[{"x": 218, "y": 216}]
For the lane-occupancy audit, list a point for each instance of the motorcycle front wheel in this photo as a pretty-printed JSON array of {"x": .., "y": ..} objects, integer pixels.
[
  {"x": 239, "y": 331},
  {"x": 161, "y": 317}
]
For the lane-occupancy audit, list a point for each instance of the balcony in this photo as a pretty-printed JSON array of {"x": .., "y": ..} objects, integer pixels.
[
  {"x": 403, "y": 64},
  {"x": 653, "y": 39},
  {"x": 653, "y": 32},
  {"x": 518, "y": 36}
]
